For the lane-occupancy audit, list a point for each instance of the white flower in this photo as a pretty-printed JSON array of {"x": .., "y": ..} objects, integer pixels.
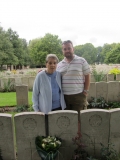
[
  {"x": 58, "y": 142},
  {"x": 43, "y": 145},
  {"x": 55, "y": 145}
]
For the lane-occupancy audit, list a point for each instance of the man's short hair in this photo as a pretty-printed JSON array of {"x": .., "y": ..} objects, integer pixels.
[{"x": 67, "y": 41}]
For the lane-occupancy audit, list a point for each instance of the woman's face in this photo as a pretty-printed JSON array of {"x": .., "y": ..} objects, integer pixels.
[{"x": 51, "y": 65}]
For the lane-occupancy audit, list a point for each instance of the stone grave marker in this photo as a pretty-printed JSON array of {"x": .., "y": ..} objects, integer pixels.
[
  {"x": 18, "y": 80},
  {"x": 92, "y": 78},
  {"x": 117, "y": 77},
  {"x": 28, "y": 126},
  {"x": 4, "y": 82},
  {"x": 115, "y": 128},
  {"x": 110, "y": 77},
  {"x": 104, "y": 78},
  {"x": 31, "y": 81},
  {"x": 101, "y": 90},
  {"x": 94, "y": 129},
  {"x": 64, "y": 124},
  {"x": 22, "y": 95},
  {"x": 7, "y": 144},
  {"x": 25, "y": 80},
  {"x": 92, "y": 91},
  {"x": 114, "y": 91}
]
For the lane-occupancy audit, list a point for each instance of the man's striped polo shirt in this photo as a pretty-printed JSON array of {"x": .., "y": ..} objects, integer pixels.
[{"x": 73, "y": 75}]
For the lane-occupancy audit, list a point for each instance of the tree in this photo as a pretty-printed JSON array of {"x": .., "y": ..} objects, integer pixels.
[
  {"x": 6, "y": 49},
  {"x": 19, "y": 46},
  {"x": 39, "y": 48},
  {"x": 99, "y": 57},
  {"x": 105, "y": 50},
  {"x": 114, "y": 55},
  {"x": 25, "y": 52},
  {"x": 87, "y": 51}
]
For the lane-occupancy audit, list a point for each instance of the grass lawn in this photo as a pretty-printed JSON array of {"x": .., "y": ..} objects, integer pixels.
[{"x": 9, "y": 98}]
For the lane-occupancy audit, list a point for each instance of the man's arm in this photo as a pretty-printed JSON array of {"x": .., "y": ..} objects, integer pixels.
[{"x": 86, "y": 84}]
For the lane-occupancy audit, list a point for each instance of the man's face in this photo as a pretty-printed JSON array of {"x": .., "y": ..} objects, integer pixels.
[{"x": 68, "y": 50}]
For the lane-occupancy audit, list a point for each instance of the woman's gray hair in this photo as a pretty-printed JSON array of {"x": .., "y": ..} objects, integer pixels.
[{"x": 52, "y": 56}]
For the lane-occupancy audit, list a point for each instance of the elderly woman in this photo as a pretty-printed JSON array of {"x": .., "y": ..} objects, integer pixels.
[{"x": 47, "y": 93}]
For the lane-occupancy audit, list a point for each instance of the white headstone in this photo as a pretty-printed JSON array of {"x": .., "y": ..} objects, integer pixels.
[
  {"x": 95, "y": 129},
  {"x": 110, "y": 77},
  {"x": 22, "y": 95},
  {"x": 115, "y": 128},
  {"x": 101, "y": 90},
  {"x": 92, "y": 91},
  {"x": 64, "y": 124},
  {"x": 114, "y": 91},
  {"x": 28, "y": 126},
  {"x": 7, "y": 144}
]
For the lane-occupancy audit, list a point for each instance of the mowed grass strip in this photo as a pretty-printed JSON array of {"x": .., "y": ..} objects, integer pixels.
[{"x": 9, "y": 99}]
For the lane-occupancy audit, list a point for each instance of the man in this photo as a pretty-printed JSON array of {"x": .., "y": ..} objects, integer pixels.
[{"x": 75, "y": 78}]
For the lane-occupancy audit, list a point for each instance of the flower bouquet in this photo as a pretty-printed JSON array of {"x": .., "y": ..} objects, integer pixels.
[{"x": 47, "y": 147}]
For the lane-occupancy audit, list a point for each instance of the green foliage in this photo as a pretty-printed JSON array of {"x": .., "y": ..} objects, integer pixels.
[
  {"x": 21, "y": 108},
  {"x": 9, "y": 98},
  {"x": 20, "y": 49},
  {"x": 87, "y": 51},
  {"x": 114, "y": 71},
  {"x": 32, "y": 73},
  {"x": 98, "y": 103},
  {"x": 114, "y": 55},
  {"x": 39, "y": 48},
  {"x": 13, "y": 50},
  {"x": 114, "y": 104},
  {"x": 106, "y": 49},
  {"x": 6, "y": 49},
  {"x": 98, "y": 75},
  {"x": 30, "y": 108},
  {"x": 108, "y": 153},
  {"x": 102, "y": 104},
  {"x": 48, "y": 144},
  {"x": 8, "y": 86}
]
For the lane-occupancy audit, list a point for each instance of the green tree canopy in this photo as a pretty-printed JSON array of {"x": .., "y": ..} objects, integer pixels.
[
  {"x": 6, "y": 49},
  {"x": 87, "y": 51},
  {"x": 39, "y": 48},
  {"x": 20, "y": 49},
  {"x": 105, "y": 50},
  {"x": 114, "y": 55}
]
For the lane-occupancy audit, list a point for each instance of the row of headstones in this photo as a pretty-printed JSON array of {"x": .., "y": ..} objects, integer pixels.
[
  {"x": 110, "y": 91},
  {"x": 30, "y": 80},
  {"x": 97, "y": 126},
  {"x": 17, "y": 81},
  {"x": 107, "y": 77}
]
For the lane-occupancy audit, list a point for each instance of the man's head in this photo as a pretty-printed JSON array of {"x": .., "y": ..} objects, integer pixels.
[{"x": 67, "y": 49}]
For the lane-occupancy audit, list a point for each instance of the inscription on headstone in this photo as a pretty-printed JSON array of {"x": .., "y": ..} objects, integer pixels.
[
  {"x": 95, "y": 121},
  {"x": 64, "y": 124},
  {"x": 28, "y": 126},
  {"x": 94, "y": 129}
]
